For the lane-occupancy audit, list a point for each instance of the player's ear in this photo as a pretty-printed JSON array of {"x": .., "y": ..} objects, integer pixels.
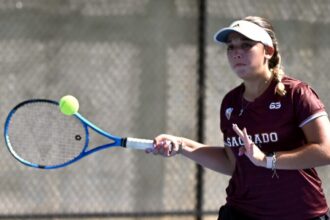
[{"x": 269, "y": 52}]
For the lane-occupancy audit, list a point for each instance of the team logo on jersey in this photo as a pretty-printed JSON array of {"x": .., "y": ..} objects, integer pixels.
[
  {"x": 275, "y": 105},
  {"x": 228, "y": 112},
  {"x": 258, "y": 139}
]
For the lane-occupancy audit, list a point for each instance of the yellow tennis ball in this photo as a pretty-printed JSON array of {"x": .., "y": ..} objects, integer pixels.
[{"x": 69, "y": 105}]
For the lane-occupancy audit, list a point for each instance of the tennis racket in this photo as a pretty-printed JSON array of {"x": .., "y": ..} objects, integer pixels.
[{"x": 38, "y": 135}]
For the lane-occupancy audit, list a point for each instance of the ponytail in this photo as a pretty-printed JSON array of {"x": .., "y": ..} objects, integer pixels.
[{"x": 278, "y": 74}]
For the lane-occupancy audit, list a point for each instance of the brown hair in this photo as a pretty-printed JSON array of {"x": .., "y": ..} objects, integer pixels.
[{"x": 274, "y": 63}]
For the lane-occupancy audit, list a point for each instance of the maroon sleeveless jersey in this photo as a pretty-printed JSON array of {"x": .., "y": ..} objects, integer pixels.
[{"x": 274, "y": 124}]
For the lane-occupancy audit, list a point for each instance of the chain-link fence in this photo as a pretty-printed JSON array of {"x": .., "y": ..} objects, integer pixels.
[{"x": 133, "y": 65}]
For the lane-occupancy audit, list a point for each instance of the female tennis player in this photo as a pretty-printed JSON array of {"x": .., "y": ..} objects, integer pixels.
[{"x": 275, "y": 129}]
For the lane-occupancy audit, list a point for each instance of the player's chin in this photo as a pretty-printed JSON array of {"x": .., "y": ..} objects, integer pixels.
[{"x": 243, "y": 74}]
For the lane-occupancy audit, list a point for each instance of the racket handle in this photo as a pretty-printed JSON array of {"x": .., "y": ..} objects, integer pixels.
[{"x": 139, "y": 144}]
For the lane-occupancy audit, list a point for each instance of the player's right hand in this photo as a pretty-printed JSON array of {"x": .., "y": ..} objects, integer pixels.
[{"x": 166, "y": 145}]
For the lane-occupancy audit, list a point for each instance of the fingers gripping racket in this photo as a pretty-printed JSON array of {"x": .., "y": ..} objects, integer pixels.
[{"x": 38, "y": 135}]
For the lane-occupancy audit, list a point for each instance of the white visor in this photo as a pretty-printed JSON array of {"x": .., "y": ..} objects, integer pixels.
[{"x": 248, "y": 29}]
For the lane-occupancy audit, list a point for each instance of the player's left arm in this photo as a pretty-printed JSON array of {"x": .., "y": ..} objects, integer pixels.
[{"x": 316, "y": 152}]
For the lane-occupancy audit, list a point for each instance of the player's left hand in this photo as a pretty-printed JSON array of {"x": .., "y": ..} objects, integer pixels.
[{"x": 251, "y": 150}]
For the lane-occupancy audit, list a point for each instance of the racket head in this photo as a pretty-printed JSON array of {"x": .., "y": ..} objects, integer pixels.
[{"x": 38, "y": 135}]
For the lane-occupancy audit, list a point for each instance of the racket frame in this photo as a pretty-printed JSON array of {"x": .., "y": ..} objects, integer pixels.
[{"x": 125, "y": 142}]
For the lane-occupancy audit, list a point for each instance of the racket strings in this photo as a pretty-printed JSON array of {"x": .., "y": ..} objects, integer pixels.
[{"x": 40, "y": 134}]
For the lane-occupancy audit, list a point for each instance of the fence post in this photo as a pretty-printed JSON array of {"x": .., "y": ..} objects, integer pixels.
[{"x": 200, "y": 102}]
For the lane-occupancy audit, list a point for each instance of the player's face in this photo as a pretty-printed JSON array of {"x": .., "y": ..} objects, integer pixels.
[{"x": 246, "y": 57}]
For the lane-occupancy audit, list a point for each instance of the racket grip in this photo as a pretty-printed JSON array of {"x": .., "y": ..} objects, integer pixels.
[{"x": 139, "y": 144}]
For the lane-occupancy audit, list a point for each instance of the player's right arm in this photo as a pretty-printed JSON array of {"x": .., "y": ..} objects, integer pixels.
[{"x": 219, "y": 159}]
